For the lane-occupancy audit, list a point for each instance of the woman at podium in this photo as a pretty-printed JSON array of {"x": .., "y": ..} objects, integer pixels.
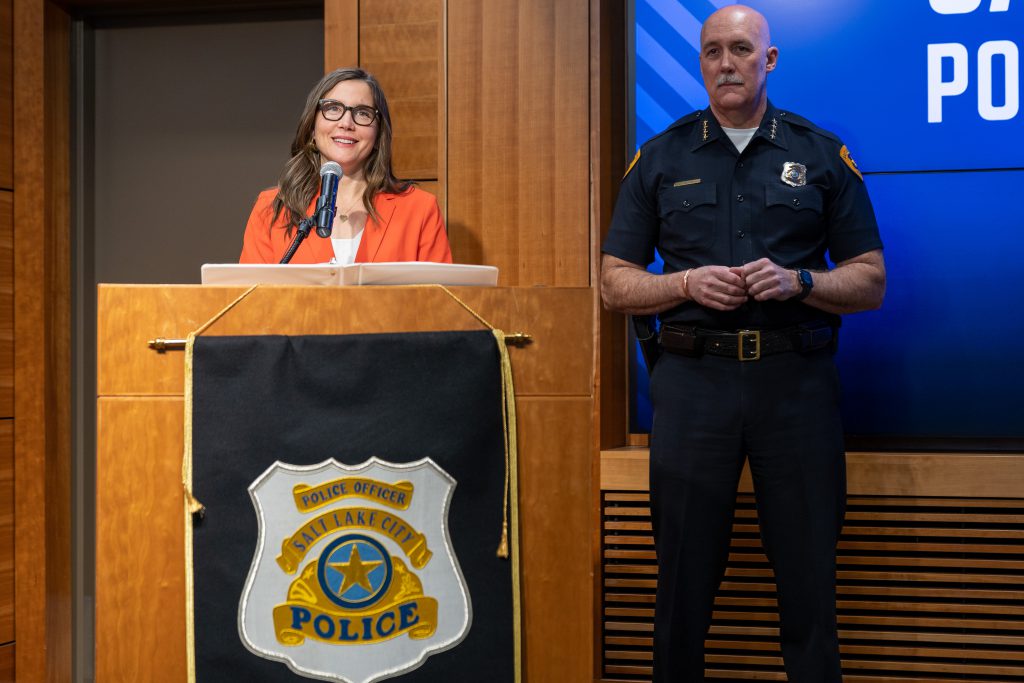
[{"x": 379, "y": 218}]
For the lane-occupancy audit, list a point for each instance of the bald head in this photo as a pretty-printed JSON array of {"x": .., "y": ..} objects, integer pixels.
[
  {"x": 736, "y": 55},
  {"x": 738, "y": 15}
]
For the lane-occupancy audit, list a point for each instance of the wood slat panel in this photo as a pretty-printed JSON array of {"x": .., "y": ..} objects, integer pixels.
[
  {"x": 874, "y": 650},
  {"x": 903, "y": 679},
  {"x": 898, "y": 621},
  {"x": 400, "y": 43},
  {"x": 6, "y": 304},
  {"x": 140, "y": 578},
  {"x": 952, "y": 623},
  {"x": 518, "y": 144},
  {"x": 916, "y": 531},
  {"x": 938, "y": 548}
]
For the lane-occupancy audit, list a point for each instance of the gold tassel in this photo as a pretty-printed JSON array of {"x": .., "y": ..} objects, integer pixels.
[
  {"x": 508, "y": 420},
  {"x": 193, "y": 506},
  {"x": 503, "y": 546},
  {"x": 510, "y": 507},
  {"x": 510, "y": 504}
]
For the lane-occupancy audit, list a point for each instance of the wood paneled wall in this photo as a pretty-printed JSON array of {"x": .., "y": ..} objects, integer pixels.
[
  {"x": 6, "y": 531},
  {"x": 6, "y": 96},
  {"x": 400, "y": 43},
  {"x": 491, "y": 105},
  {"x": 492, "y": 101},
  {"x": 42, "y": 341},
  {"x": 518, "y": 138},
  {"x": 6, "y": 423},
  {"x": 6, "y": 304},
  {"x": 341, "y": 34},
  {"x": 6, "y": 340}
]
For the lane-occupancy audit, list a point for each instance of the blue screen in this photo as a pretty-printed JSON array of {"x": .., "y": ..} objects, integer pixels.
[{"x": 926, "y": 94}]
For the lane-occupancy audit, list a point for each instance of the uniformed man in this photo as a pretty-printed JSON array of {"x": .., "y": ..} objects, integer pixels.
[{"x": 743, "y": 201}]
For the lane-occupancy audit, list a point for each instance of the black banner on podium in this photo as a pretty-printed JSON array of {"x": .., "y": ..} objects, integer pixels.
[{"x": 354, "y": 494}]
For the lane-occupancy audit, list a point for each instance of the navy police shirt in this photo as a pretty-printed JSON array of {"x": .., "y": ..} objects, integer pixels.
[{"x": 793, "y": 195}]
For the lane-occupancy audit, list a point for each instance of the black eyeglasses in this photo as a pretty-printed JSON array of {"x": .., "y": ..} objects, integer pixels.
[{"x": 334, "y": 111}]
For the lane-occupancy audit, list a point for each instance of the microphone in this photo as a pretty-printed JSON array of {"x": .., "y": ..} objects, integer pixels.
[{"x": 330, "y": 174}]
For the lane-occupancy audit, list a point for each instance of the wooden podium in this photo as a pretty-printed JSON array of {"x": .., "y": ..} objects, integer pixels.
[{"x": 140, "y": 574}]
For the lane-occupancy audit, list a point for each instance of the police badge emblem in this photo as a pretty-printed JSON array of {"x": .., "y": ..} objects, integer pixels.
[
  {"x": 354, "y": 578},
  {"x": 794, "y": 174}
]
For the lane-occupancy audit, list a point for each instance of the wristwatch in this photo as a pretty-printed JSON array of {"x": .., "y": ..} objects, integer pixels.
[{"x": 803, "y": 277}]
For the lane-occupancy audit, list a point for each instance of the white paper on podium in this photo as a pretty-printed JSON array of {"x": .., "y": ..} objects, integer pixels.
[{"x": 397, "y": 273}]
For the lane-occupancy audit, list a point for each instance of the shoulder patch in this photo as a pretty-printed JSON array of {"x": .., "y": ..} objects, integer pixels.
[
  {"x": 636, "y": 158},
  {"x": 844, "y": 154}
]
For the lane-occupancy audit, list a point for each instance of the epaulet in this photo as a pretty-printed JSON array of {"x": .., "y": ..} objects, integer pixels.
[
  {"x": 797, "y": 120},
  {"x": 690, "y": 118}
]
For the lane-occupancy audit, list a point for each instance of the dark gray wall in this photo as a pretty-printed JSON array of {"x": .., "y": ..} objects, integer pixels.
[{"x": 189, "y": 123}]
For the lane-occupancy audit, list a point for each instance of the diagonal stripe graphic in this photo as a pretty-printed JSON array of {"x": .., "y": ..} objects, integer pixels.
[
  {"x": 678, "y": 78},
  {"x": 702, "y": 9},
  {"x": 653, "y": 116},
  {"x": 681, "y": 21}
]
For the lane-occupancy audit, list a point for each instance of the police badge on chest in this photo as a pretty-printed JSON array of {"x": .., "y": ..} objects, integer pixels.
[{"x": 794, "y": 174}]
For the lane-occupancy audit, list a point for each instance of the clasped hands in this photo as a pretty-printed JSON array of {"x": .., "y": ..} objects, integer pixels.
[{"x": 726, "y": 288}]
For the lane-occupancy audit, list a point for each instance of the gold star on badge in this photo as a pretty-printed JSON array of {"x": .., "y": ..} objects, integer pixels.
[{"x": 355, "y": 571}]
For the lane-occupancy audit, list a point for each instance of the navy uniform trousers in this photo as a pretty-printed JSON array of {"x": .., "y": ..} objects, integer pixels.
[{"x": 710, "y": 413}]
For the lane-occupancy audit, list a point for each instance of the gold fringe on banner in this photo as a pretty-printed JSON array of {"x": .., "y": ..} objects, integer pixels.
[
  {"x": 508, "y": 415},
  {"x": 193, "y": 506},
  {"x": 510, "y": 505}
]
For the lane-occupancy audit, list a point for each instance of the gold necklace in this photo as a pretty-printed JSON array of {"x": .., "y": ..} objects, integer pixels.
[{"x": 343, "y": 215}]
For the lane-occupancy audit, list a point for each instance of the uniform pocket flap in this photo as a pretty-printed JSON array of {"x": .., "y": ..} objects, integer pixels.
[
  {"x": 796, "y": 198},
  {"x": 688, "y": 197}
]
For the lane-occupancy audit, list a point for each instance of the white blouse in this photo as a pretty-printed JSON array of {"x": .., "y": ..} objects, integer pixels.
[{"x": 345, "y": 249}]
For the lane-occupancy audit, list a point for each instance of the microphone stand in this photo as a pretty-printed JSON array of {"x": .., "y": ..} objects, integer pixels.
[{"x": 301, "y": 233}]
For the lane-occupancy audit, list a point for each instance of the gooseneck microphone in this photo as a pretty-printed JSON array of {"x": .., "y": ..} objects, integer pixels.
[{"x": 330, "y": 174}]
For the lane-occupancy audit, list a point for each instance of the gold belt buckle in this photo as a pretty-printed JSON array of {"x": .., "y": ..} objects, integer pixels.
[{"x": 742, "y": 337}]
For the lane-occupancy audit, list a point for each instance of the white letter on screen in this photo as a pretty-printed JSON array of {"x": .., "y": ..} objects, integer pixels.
[
  {"x": 986, "y": 52},
  {"x": 955, "y": 6},
  {"x": 999, "y": 6},
  {"x": 938, "y": 88}
]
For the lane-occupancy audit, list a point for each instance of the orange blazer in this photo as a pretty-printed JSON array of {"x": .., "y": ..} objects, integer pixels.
[{"x": 410, "y": 228}]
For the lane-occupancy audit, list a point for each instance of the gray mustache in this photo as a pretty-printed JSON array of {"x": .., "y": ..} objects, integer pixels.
[{"x": 729, "y": 79}]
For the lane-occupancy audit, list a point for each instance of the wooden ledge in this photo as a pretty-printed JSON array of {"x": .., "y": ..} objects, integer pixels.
[{"x": 942, "y": 475}]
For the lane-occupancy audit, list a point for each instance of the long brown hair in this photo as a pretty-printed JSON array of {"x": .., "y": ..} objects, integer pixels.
[{"x": 300, "y": 179}]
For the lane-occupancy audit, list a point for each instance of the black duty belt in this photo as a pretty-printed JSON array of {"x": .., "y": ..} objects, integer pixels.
[{"x": 745, "y": 345}]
